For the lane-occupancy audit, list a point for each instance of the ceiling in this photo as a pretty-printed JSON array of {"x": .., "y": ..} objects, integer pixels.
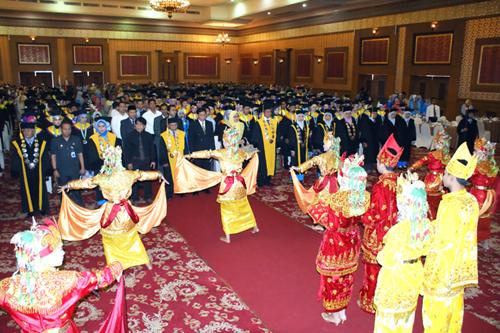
[{"x": 203, "y": 16}]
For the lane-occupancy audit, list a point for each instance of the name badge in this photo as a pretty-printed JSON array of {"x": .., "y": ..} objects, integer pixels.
[{"x": 73, "y": 154}]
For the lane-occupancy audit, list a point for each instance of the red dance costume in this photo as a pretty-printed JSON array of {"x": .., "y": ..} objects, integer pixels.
[
  {"x": 380, "y": 217},
  {"x": 482, "y": 182},
  {"x": 436, "y": 162},
  {"x": 339, "y": 251},
  {"x": 50, "y": 305}
]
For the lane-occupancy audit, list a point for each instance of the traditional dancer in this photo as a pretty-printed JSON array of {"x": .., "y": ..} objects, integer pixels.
[
  {"x": 482, "y": 182},
  {"x": 338, "y": 254},
  {"x": 41, "y": 298},
  {"x": 451, "y": 263},
  {"x": 326, "y": 184},
  {"x": 401, "y": 277},
  {"x": 379, "y": 218},
  {"x": 435, "y": 161},
  {"x": 236, "y": 184},
  {"x": 117, "y": 220}
]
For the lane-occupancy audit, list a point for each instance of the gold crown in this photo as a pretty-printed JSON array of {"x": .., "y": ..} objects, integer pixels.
[{"x": 456, "y": 166}]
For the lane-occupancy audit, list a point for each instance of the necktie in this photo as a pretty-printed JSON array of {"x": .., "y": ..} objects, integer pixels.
[
  {"x": 434, "y": 110},
  {"x": 203, "y": 126}
]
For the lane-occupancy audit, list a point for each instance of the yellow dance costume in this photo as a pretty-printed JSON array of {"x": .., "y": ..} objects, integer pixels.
[
  {"x": 451, "y": 264},
  {"x": 236, "y": 183},
  {"x": 117, "y": 220},
  {"x": 401, "y": 277}
]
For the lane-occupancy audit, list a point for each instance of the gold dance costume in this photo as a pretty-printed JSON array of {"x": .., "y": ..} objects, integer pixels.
[{"x": 117, "y": 220}]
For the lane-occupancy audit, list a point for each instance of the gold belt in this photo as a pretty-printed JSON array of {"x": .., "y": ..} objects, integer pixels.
[
  {"x": 485, "y": 188},
  {"x": 411, "y": 261}
]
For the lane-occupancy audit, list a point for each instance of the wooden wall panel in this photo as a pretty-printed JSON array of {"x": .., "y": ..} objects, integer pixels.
[
  {"x": 228, "y": 72},
  {"x": 316, "y": 43}
]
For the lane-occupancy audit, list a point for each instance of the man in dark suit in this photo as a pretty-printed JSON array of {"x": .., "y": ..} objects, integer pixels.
[
  {"x": 406, "y": 133},
  {"x": 140, "y": 154},
  {"x": 388, "y": 126},
  {"x": 201, "y": 137},
  {"x": 127, "y": 125},
  {"x": 467, "y": 130}
]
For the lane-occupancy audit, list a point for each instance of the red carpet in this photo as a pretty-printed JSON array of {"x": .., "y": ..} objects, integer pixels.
[
  {"x": 180, "y": 294},
  {"x": 273, "y": 271}
]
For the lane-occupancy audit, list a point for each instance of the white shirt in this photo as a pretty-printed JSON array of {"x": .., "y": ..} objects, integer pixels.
[
  {"x": 203, "y": 124},
  {"x": 150, "y": 120},
  {"x": 116, "y": 123},
  {"x": 429, "y": 112}
]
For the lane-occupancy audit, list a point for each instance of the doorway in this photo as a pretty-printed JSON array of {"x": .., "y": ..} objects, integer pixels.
[
  {"x": 86, "y": 78},
  {"x": 282, "y": 67},
  {"x": 429, "y": 86},
  {"x": 374, "y": 84},
  {"x": 36, "y": 78},
  {"x": 169, "y": 68}
]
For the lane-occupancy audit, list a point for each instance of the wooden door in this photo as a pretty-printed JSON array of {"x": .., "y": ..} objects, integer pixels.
[
  {"x": 375, "y": 85},
  {"x": 169, "y": 68},
  {"x": 87, "y": 78},
  {"x": 282, "y": 67},
  {"x": 431, "y": 87},
  {"x": 31, "y": 79}
]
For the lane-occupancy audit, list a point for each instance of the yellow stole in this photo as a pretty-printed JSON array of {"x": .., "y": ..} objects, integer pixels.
[
  {"x": 269, "y": 139},
  {"x": 97, "y": 139},
  {"x": 80, "y": 127},
  {"x": 325, "y": 131},
  {"x": 305, "y": 140},
  {"x": 175, "y": 146},
  {"x": 25, "y": 176},
  {"x": 54, "y": 131}
]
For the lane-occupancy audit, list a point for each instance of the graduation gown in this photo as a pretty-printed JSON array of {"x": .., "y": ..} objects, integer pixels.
[
  {"x": 34, "y": 196},
  {"x": 171, "y": 149},
  {"x": 349, "y": 136},
  {"x": 95, "y": 152},
  {"x": 368, "y": 134},
  {"x": 299, "y": 143},
  {"x": 386, "y": 129},
  {"x": 467, "y": 132},
  {"x": 264, "y": 138},
  {"x": 319, "y": 133},
  {"x": 405, "y": 135}
]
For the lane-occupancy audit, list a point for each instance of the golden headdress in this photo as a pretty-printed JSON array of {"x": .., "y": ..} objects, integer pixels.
[
  {"x": 462, "y": 164},
  {"x": 390, "y": 153}
]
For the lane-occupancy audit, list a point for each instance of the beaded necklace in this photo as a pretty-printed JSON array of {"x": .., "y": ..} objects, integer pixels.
[
  {"x": 269, "y": 130},
  {"x": 36, "y": 154}
]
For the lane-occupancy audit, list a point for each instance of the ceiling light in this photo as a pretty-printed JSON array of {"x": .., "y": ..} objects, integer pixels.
[
  {"x": 304, "y": 5},
  {"x": 170, "y": 6},
  {"x": 223, "y": 38},
  {"x": 268, "y": 13}
]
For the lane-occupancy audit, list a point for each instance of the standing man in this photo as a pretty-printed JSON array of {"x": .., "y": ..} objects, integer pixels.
[
  {"x": 30, "y": 163},
  {"x": 67, "y": 158},
  {"x": 406, "y": 133},
  {"x": 140, "y": 155},
  {"x": 117, "y": 118},
  {"x": 264, "y": 135},
  {"x": 451, "y": 263},
  {"x": 172, "y": 146},
  {"x": 201, "y": 137},
  {"x": 369, "y": 125},
  {"x": 127, "y": 125},
  {"x": 150, "y": 116},
  {"x": 347, "y": 131},
  {"x": 467, "y": 130},
  {"x": 433, "y": 111}
]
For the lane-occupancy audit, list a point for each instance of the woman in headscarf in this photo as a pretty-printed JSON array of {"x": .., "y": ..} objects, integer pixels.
[{"x": 99, "y": 141}]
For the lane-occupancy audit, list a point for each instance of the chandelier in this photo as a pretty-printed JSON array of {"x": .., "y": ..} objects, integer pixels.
[
  {"x": 223, "y": 38},
  {"x": 170, "y": 6}
]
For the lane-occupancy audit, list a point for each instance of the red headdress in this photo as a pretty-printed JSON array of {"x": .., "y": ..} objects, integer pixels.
[{"x": 390, "y": 153}]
